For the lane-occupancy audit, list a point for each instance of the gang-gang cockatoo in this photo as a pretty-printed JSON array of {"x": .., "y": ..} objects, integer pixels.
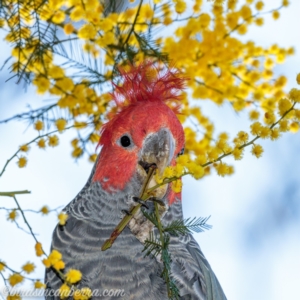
[{"x": 144, "y": 131}]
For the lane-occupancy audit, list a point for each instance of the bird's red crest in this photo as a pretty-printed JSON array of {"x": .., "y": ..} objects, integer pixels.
[{"x": 148, "y": 82}]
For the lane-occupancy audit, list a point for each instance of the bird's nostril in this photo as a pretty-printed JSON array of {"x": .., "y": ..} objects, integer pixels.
[{"x": 146, "y": 166}]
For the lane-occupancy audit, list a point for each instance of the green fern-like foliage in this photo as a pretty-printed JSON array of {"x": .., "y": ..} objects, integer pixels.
[
  {"x": 182, "y": 227},
  {"x": 158, "y": 244}
]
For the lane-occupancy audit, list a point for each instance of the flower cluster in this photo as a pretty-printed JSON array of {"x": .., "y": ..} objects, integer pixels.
[
  {"x": 92, "y": 38},
  {"x": 221, "y": 67},
  {"x": 284, "y": 117}
]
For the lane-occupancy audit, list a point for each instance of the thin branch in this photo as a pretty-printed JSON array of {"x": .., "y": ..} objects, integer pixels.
[
  {"x": 32, "y": 141},
  {"x": 13, "y": 271},
  {"x": 13, "y": 193},
  {"x": 33, "y": 211},
  {"x": 210, "y": 87},
  {"x": 133, "y": 24},
  {"x": 21, "y": 228},
  {"x": 128, "y": 36},
  {"x": 41, "y": 111},
  {"x": 251, "y": 142},
  {"x": 25, "y": 220},
  {"x": 120, "y": 227},
  {"x": 174, "y": 178},
  {"x": 249, "y": 18}
]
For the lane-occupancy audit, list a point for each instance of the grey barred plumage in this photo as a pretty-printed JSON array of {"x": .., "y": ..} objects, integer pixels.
[
  {"x": 132, "y": 140},
  {"x": 93, "y": 215}
]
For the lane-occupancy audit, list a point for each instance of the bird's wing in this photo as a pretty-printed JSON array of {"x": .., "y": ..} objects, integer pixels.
[
  {"x": 78, "y": 241},
  {"x": 190, "y": 269},
  {"x": 70, "y": 240},
  {"x": 192, "y": 272},
  {"x": 213, "y": 288}
]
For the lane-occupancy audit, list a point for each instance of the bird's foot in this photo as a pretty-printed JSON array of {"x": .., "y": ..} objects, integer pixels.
[
  {"x": 126, "y": 212},
  {"x": 146, "y": 166},
  {"x": 156, "y": 200},
  {"x": 152, "y": 199},
  {"x": 140, "y": 201}
]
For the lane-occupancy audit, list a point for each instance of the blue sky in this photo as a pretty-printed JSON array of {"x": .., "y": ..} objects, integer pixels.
[{"x": 254, "y": 245}]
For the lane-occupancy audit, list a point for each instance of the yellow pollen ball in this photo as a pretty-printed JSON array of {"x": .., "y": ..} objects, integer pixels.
[
  {"x": 285, "y": 3},
  {"x": 92, "y": 158},
  {"x": 12, "y": 215},
  {"x": 39, "y": 125},
  {"x": 15, "y": 279},
  {"x": 83, "y": 294},
  {"x": 237, "y": 153},
  {"x": 275, "y": 14},
  {"x": 41, "y": 143},
  {"x": 73, "y": 276},
  {"x": 68, "y": 28},
  {"x": 245, "y": 12},
  {"x": 197, "y": 172},
  {"x": 257, "y": 150},
  {"x": 204, "y": 20},
  {"x": 213, "y": 154},
  {"x": 14, "y": 297},
  {"x": 58, "y": 17},
  {"x": 28, "y": 268},
  {"x": 243, "y": 136},
  {"x": 294, "y": 95},
  {"x": 53, "y": 140},
  {"x": 22, "y": 162},
  {"x": 2, "y": 266},
  {"x": 64, "y": 291},
  {"x": 284, "y": 105},
  {"x": 62, "y": 217},
  {"x": 38, "y": 249},
  {"x": 44, "y": 210},
  {"x": 259, "y": 5},
  {"x": 87, "y": 32},
  {"x": 222, "y": 169},
  {"x": 259, "y": 21},
  {"x": 59, "y": 265},
  {"x": 294, "y": 127},
  {"x": 176, "y": 186},
  {"x": 56, "y": 72},
  {"x": 42, "y": 83},
  {"x": 253, "y": 115},
  {"x": 77, "y": 152},
  {"x": 242, "y": 29},
  {"x": 283, "y": 126},
  {"x": 24, "y": 148},
  {"x": 55, "y": 256},
  {"x": 180, "y": 6},
  {"x": 298, "y": 78},
  {"x": 275, "y": 134},
  {"x": 60, "y": 124},
  {"x": 265, "y": 132},
  {"x": 46, "y": 262},
  {"x": 297, "y": 114},
  {"x": 39, "y": 285}
]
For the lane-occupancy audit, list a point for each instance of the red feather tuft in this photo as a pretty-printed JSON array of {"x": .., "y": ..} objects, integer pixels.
[{"x": 148, "y": 83}]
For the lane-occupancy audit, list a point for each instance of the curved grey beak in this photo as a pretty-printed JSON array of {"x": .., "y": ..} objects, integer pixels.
[{"x": 158, "y": 149}]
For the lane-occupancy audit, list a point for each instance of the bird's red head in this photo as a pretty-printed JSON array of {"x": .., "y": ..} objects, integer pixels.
[{"x": 145, "y": 128}]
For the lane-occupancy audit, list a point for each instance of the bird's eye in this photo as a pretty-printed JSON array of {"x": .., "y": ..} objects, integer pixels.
[
  {"x": 125, "y": 141},
  {"x": 181, "y": 152}
]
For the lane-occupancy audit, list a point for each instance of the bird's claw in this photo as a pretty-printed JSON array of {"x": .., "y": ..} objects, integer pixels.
[
  {"x": 126, "y": 212},
  {"x": 146, "y": 166},
  {"x": 158, "y": 201},
  {"x": 140, "y": 201}
]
